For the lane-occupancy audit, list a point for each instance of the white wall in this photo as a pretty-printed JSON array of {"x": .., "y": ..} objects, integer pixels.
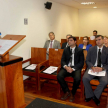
[
  {"x": 63, "y": 20},
  {"x": 93, "y": 19},
  {"x": 60, "y": 19}
]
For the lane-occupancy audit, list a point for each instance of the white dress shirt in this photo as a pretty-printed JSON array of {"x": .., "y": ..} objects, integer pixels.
[
  {"x": 67, "y": 45},
  {"x": 92, "y": 37},
  {"x": 73, "y": 51},
  {"x": 97, "y": 55}
]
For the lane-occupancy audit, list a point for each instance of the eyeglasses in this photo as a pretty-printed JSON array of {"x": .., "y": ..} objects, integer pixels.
[{"x": 84, "y": 39}]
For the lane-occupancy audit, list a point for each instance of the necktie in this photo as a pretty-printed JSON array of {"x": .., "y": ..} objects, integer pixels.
[
  {"x": 71, "y": 57},
  {"x": 99, "y": 58},
  {"x": 51, "y": 44}
]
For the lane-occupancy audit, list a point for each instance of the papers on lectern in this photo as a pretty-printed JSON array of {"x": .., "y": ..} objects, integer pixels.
[{"x": 6, "y": 45}]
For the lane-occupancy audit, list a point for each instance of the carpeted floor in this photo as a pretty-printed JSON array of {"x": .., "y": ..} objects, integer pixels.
[{"x": 41, "y": 103}]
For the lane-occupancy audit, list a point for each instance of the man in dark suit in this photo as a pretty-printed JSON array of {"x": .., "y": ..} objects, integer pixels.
[
  {"x": 72, "y": 62},
  {"x": 97, "y": 61},
  {"x": 64, "y": 45}
]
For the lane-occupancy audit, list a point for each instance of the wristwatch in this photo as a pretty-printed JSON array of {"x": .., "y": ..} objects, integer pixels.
[{"x": 103, "y": 69}]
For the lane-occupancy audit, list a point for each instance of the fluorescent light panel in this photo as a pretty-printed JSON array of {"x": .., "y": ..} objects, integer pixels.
[
  {"x": 88, "y": 3},
  {"x": 95, "y": 7}
]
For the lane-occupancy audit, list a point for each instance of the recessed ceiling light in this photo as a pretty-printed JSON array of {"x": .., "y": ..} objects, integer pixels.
[
  {"x": 95, "y": 7},
  {"x": 88, "y": 3}
]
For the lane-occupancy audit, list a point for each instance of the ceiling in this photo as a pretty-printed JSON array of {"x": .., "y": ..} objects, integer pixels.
[{"x": 77, "y": 3}]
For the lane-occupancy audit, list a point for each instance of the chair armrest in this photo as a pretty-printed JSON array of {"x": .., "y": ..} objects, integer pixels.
[
  {"x": 26, "y": 60},
  {"x": 83, "y": 70},
  {"x": 44, "y": 63},
  {"x": 58, "y": 70}
]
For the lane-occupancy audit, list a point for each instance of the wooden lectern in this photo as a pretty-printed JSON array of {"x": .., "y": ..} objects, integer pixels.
[{"x": 11, "y": 78}]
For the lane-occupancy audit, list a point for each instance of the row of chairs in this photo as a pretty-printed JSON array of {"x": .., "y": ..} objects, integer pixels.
[
  {"x": 80, "y": 38},
  {"x": 79, "y": 41}
]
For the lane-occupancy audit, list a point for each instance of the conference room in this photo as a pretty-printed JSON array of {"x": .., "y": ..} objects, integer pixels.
[{"x": 30, "y": 22}]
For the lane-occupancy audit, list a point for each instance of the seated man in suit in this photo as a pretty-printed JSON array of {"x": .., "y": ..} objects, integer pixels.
[
  {"x": 72, "y": 62},
  {"x": 64, "y": 45},
  {"x": 97, "y": 60},
  {"x": 52, "y": 43}
]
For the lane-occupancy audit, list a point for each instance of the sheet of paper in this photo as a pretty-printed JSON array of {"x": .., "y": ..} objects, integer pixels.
[
  {"x": 50, "y": 70},
  {"x": 31, "y": 67},
  {"x": 6, "y": 45},
  {"x": 102, "y": 73}
]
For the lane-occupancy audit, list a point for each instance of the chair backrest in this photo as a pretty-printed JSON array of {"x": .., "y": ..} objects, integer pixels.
[
  {"x": 77, "y": 38},
  {"x": 79, "y": 42},
  {"x": 93, "y": 42},
  {"x": 38, "y": 55},
  {"x": 61, "y": 44},
  {"x": 85, "y": 55},
  {"x": 55, "y": 57},
  {"x": 63, "y": 41}
]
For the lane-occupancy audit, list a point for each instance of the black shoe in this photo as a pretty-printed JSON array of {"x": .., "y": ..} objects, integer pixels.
[
  {"x": 97, "y": 102},
  {"x": 88, "y": 99},
  {"x": 65, "y": 96},
  {"x": 71, "y": 99}
]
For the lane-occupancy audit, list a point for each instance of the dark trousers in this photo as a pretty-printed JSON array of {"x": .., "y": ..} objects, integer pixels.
[{"x": 76, "y": 76}]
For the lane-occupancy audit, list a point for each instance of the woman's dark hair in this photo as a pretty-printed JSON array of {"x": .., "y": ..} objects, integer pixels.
[{"x": 87, "y": 39}]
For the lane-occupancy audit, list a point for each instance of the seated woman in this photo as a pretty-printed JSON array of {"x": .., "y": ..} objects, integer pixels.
[
  {"x": 85, "y": 44},
  {"x": 106, "y": 41}
]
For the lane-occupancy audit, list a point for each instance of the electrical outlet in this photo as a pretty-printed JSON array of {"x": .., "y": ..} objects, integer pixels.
[{"x": 25, "y": 21}]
